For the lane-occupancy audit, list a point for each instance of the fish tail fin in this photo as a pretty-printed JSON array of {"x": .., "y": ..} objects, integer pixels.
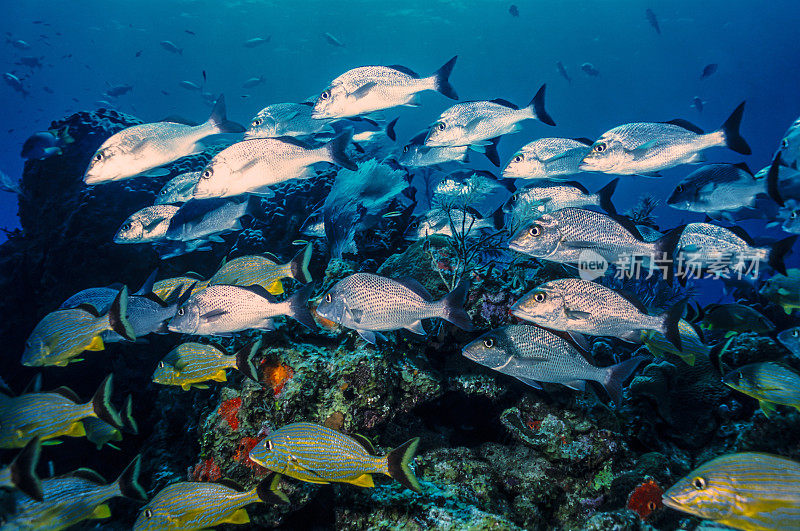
[
  {"x": 219, "y": 118},
  {"x": 102, "y": 406},
  {"x": 267, "y": 490},
  {"x": 128, "y": 481},
  {"x": 604, "y": 196},
  {"x": 23, "y": 470},
  {"x": 537, "y": 107},
  {"x": 672, "y": 320},
  {"x": 336, "y": 149},
  {"x": 491, "y": 152},
  {"x": 730, "y": 132},
  {"x": 398, "y": 461},
  {"x": 777, "y": 253},
  {"x": 298, "y": 267},
  {"x": 298, "y": 306},
  {"x": 616, "y": 376},
  {"x": 390, "y": 129},
  {"x": 773, "y": 179},
  {"x": 441, "y": 79},
  {"x": 244, "y": 360},
  {"x": 128, "y": 422},
  {"x": 452, "y": 306},
  {"x": 665, "y": 247},
  {"x": 118, "y": 315}
]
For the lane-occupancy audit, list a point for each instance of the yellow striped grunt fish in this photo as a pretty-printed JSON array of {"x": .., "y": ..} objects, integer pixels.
[
  {"x": 783, "y": 290},
  {"x": 75, "y": 497},
  {"x": 750, "y": 490},
  {"x": 201, "y": 505},
  {"x": 21, "y": 475},
  {"x": 191, "y": 364},
  {"x": 54, "y": 414},
  {"x": 63, "y": 334},
  {"x": 256, "y": 269},
  {"x": 767, "y": 382},
  {"x": 170, "y": 290},
  {"x": 691, "y": 343},
  {"x": 316, "y": 454}
]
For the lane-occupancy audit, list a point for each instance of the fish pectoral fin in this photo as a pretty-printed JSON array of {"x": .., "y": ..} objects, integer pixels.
[
  {"x": 213, "y": 315},
  {"x": 368, "y": 335},
  {"x": 295, "y": 465},
  {"x": 472, "y": 124},
  {"x": 268, "y": 324},
  {"x": 767, "y": 407},
  {"x": 76, "y": 430},
  {"x": 186, "y": 386},
  {"x": 155, "y": 172},
  {"x": 220, "y": 376},
  {"x": 51, "y": 442},
  {"x": 263, "y": 191},
  {"x": 364, "y": 480},
  {"x": 784, "y": 291},
  {"x": 645, "y": 146},
  {"x": 689, "y": 358},
  {"x": 96, "y": 344},
  {"x": 100, "y": 512},
  {"x": 416, "y": 327},
  {"x": 355, "y": 314},
  {"x": 363, "y": 90},
  {"x": 275, "y": 288},
  {"x": 580, "y": 244},
  {"x": 480, "y": 148},
  {"x": 180, "y": 364},
  {"x": 528, "y": 381},
  {"x": 578, "y": 385},
  {"x": 200, "y": 386},
  {"x": 239, "y": 516},
  {"x": 576, "y": 314}
]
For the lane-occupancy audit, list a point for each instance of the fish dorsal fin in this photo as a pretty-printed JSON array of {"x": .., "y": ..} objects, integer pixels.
[
  {"x": 504, "y": 103},
  {"x": 740, "y": 232},
  {"x": 116, "y": 286},
  {"x": 192, "y": 274},
  {"x": 579, "y": 186},
  {"x": 155, "y": 298},
  {"x": 293, "y": 141},
  {"x": 686, "y": 124},
  {"x": 416, "y": 287},
  {"x": 67, "y": 393},
  {"x": 88, "y": 474},
  {"x": 584, "y": 140},
  {"x": 633, "y": 299},
  {"x": 218, "y": 347},
  {"x": 147, "y": 287},
  {"x": 744, "y": 167},
  {"x": 231, "y": 484},
  {"x": 627, "y": 223},
  {"x": 34, "y": 386},
  {"x": 175, "y": 119},
  {"x": 404, "y": 69},
  {"x": 366, "y": 443},
  {"x": 88, "y": 308},
  {"x": 261, "y": 291}
]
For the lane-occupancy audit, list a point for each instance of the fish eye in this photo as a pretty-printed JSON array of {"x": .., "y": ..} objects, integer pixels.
[
  {"x": 540, "y": 296},
  {"x": 679, "y": 188},
  {"x": 440, "y": 126},
  {"x": 795, "y": 333},
  {"x": 518, "y": 158},
  {"x": 98, "y": 156},
  {"x": 328, "y": 297},
  {"x": 793, "y": 214},
  {"x": 785, "y": 143},
  {"x": 181, "y": 311},
  {"x": 127, "y": 226},
  {"x": 488, "y": 342},
  {"x": 325, "y": 95},
  {"x": 406, "y": 148},
  {"x": 535, "y": 231},
  {"x": 651, "y": 505},
  {"x": 599, "y": 148},
  {"x": 207, "y": 174},
  {"x": 257, "y": 122},
  {"x": 148, "y": 513},
  {"x": 699, "y": 483}
]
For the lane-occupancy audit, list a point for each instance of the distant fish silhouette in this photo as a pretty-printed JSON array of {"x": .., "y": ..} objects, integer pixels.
[
  {"x": 333, "y": 41},
  {"x": 653, "y": 20},
  {"x": 709, "y": 70},
  {"x": 513, "y": 10},
  {"x": 590, "y": 69},
  {"x": 698, "y": 103},
  {"x": 563, "y": 71}
]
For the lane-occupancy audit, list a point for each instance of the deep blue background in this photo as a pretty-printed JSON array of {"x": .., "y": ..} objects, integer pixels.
[{"x": 644, "y": 76}]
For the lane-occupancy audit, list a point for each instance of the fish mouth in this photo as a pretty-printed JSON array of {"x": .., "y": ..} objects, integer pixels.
[
  {"x": 668, "y": 501},
  {"x": 514, "y": 246},
  {"x": 521, "y": 314}
]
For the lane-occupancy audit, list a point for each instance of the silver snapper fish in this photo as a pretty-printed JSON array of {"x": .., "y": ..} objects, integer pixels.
[
  {"x": 179, "y": 189},
  {"x": 140, "y": 148},
  {"x": 645, "y": 148},
  {"x": 563, "y": 235},
  {"x": 532, "y": 355},
  {"x": 222, "y": 309},
  {"x": 788, "y": 217},
  {"x": 465, "y": 188},
  {"x": 286, "y": 119},
  {"x": 368, "y": 89},
  {"x": 704, "y": 245},
  {"x": 149, "y": 224},
  {"x": 370, "y": 303},
  {"x": 546, "y": 197},
  {"x": 254, "y": 165},
  {"x": 717, "y": 188},
  {"x": 547, "y": 158},
  {"x": 585, "y": 307},
  {"x": 452, "y": 222},
  {"x": 477, "y": 122},
  {"x": 202, "y": 219},
  {"x": 416, "y": 154}
]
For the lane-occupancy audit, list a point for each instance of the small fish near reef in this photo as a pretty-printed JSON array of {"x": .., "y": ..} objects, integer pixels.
[
  {"x": 769, "y": 383},
  {"x": 750, "y": 491},
  {"x": 316, "y": 454},
  {"x": 191, "y": 364}
]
